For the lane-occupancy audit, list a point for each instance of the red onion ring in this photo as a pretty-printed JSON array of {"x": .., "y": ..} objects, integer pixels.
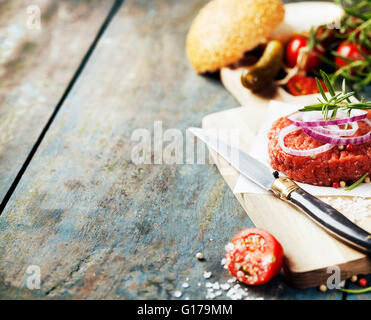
[
  {"x": 285, "y": 131},
  {"x": 337, "y": 132},
  {"x": 338, "y": 140},
  {"x": 297, "y": 119}
]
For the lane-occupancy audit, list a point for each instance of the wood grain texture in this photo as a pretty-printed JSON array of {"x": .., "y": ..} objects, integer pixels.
[
  {"x": 98, "y": 225},
  {"x": 36, "y": 66}
]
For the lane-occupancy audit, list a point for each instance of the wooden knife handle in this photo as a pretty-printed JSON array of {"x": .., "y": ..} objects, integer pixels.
[{"x": 331, "y": 219}]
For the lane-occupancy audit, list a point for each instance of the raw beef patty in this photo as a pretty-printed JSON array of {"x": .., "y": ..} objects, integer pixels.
[{"x": 334, "y": 165}]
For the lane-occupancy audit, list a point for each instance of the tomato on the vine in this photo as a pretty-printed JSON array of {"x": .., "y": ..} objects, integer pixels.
[
  {"x": 292, "y": 54},
  {"x": 351, "y": 51},
  {"x": 254, "y": 256}
]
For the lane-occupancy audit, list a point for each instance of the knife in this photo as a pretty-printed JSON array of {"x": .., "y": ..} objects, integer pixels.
[{"x": 326, "y": 216}]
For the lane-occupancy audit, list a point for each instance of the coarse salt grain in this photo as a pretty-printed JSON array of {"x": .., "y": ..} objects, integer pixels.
[
  {"x": 225, "y": 286},
  {"x": 185, "y": 285},
  {"x": 218, "y": 293},
  {"x": 207, "y": 275},
  {"x": 216, "y": 286},
  {"x": 177, "y": 294},
  {"x": 356, "y": 208},
  {"x": 236, "y": 293}
]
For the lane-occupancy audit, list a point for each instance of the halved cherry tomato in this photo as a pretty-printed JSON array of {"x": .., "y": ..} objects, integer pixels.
[
  {"x": 300, "y": 85},
  {"x": 254, "y": 256},
  {"x": 292, "y": 53},
  {"x": 351, "y": 51}
]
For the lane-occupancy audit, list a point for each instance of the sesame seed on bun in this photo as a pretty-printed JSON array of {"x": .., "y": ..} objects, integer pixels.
[{"x": 225, "y": 29}]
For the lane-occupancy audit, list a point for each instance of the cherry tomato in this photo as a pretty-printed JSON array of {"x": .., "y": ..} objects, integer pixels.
[
  {"x": 292, "y": 53},
  {"x": 254, "y": 256},
  {"x": 351, "y": 51},
  {"x": 301, "y": 85}
]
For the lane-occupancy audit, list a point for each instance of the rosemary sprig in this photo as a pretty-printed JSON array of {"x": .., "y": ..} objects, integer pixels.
[
  {"x": 336, "y": 101},
  {"x": 356, "y": 29},
  {"x": 357, "y": 183}
]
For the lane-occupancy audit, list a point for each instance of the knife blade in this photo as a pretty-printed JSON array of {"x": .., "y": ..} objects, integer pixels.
[{"x": 320, "y": 212}]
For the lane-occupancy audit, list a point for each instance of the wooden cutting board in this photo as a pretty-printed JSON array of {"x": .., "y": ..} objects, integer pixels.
[{"x": 309, "y": 250}]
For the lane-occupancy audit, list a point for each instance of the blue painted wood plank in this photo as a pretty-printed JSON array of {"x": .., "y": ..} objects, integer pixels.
[
  {"x": 356, "y": 286},
  {"x": 96, "y": 224},
  {"x": 42, "y": 44}
]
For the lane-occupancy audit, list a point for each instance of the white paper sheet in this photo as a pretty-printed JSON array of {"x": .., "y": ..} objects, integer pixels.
[{"x": 259, "y": 150}]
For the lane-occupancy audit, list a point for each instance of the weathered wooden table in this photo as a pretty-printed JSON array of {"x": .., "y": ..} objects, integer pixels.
[{"x": 72, "y": 91}]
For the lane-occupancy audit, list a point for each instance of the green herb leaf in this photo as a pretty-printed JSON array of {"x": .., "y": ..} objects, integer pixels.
[
  {"x": 355, "y": 28},
  {"x": 328, "y": 83},
  {"x": 356, "y": 291},
  {"x": 321, "y": 89},
  {"x": 337, "y": 101},
  {"x": 357, "y": 183}
]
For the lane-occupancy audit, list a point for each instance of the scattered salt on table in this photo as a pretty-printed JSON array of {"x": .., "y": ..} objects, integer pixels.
[
  {"x": 237, "y": 293},
  {"x": 177, "y": 294},
  {"x": 225, "y": 286}
]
